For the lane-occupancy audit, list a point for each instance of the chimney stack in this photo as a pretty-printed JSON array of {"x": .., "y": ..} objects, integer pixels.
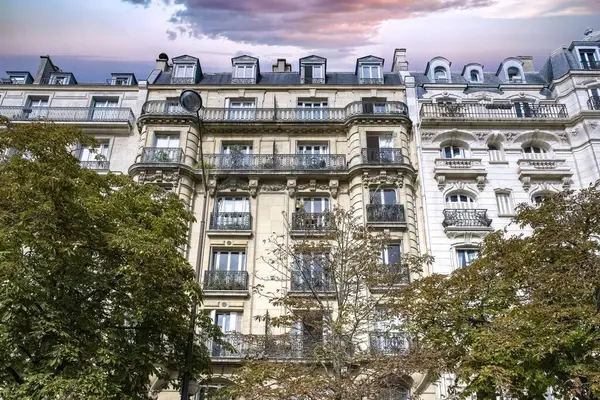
[
  {"x": 282, "y": 66},
  {"x": 45, "y": 68},
  {"x": 162, "y": 62},
  {"x": 400, "y": 63},
  {"x": 527, "y": 63}
]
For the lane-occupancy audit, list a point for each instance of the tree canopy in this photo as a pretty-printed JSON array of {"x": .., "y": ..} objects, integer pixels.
[
  {"x": 525, "y": 316},
  {"x": 95, "y": 292}
]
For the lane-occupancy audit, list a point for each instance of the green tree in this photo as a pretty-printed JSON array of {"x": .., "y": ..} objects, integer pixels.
[
  {"x": 340, "y": 312},
  {"x": 525, "y": 316},
  {"x": 95, "y": 292}
]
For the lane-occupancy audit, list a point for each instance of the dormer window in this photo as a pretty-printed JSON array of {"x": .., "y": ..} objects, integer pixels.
[
  {"x": 59, "y": 80},
  {"x": 514, "y": 75},
  {"x": 312, "y": 70},
  {"x": 588, "y": 59},
  {"x": 184, "y": 73},
  {"x": 440, "y": 75},
  {"x": 369, "y": 70},
  {"x": 474, "y": 76},
  {"x": 244, "y": 71}
]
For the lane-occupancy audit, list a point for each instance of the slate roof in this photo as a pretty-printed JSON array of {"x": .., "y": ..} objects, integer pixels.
[{"x": 275, "y": 78}]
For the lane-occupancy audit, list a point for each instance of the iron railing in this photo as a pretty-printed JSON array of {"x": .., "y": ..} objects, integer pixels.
[
  {"x": 275, "y": 114},
  {"x": 152, "y": 155},
  {"x": 287, "y": 346},
  {"x": 382, "y": 156},
  {"x": 54, "y": 81},
  {"x": 282, "y": 162},
  {"x": 593, "y": 103},
  {"x": 68, "y": 114},
  {"x": 386, "y": 213},
  {"x": 590, "y": 64},
  {"x": 11, "y": 81},
  {"x": 313, "y": 81},
  {"x": 370, "y": 81},
  {"x": 98, "y": 164},
  {"x": 494, "y": 111},
  {"x": 442, "y": 80},
  {"x": 389, "y": 343},
  {"x": 225, "y": 280},
  {"x": 310, "y": 281},
  {"x": 243, "y": 81},
  {"x": 182, "y": 81},
  {"x": 312, "y": 222},
  {"x": 118, "y": 81},
  {"x": 230, "y": 220},
  {"x": 466, "y": 217}
]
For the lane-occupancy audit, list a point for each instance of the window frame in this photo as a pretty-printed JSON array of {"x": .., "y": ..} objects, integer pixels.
[
  {"x": 463, "y": 201},
  {"x": 379, "y": 195},
  {"x": 370, "y": 67},
  {"x": 185, "y": 67},
  {"x": 462, "y": 151},
  {"x": 504, "y": 203},
  {"x": 170, "y": 136},
  {"x": 217, "y": 253},
  {"x": 468, "y": 252},
  {"x": 440, "y": 69},
  {"x": 475, "y": 73},
  {"x": 244, "y": 68},
  {"x": 91, "y": 153},
  {"x": 518, "y": 78}
]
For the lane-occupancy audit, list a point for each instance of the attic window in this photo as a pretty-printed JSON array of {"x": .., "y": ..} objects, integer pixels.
[
  {"x": 514, "y": 75},
  {"x": 184, "y": 73},
  {"x": 474, "y": 75},
  {"x": 244, "y": 71},
  {"x": 440, "y": 75},
  {"x": 59, "y": 80},
  {"x": 313, "y": 73},
  {"x": 370, "y": 74}
]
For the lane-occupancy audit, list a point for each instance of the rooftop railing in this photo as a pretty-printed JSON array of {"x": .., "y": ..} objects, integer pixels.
[
  {"x": 590, "y": 64},
  {"x": 493, "y": 111},
  {"x": 68, "y": 114},
  {"x": 275, "y": 114}
]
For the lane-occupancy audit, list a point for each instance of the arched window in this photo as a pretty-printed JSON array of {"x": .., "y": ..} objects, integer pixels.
[
  {"x": 440, "y": 74},
  {"x": 514, "y": 75},
  {"x": 394, "y": 393},
  {"x": 495, "y": 152},
  {"x": 453, "y": 151},
  {"x": 460, "y": 201},
  {"x": 534, "y": 152},
  {"x": 474, "y": 75}
]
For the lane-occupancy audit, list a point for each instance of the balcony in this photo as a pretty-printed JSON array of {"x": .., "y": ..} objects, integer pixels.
[
  {"x": 98, "y": 164},
  {"x": 470, "y": 112},
  {"x": 593, "y": 103},
  {"x": 311, "y": 281},
  {"x": 311, "y": 223},
  {"x": 544, "y": 169},
  {"x": 383, "y": 157},
  {"x": 460, "y": 169},
  {"x": 243, "y": 81},
  {"x": 226, "y": 280},
  {"x": 386, "y": 214},
  {"x": 230, "y": 221},
  {"x": 389, "y": 343},
  {"x": 359, "y": 109},
  {"x": 276, "y": 162},
  {"x": 87, "y": 115},
  {"x": 242, "y": 347},
  {"x": 594, "y": 65},
  {"x": 459, "y": 222},
  {"x": 161, "y": 155}
]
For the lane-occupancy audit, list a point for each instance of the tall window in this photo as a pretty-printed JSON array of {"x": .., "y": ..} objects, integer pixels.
[
  {"x": 466, "y": 256},
  {"x": 440, "y": 74},
  {"x": 244, "y": 71},
  {"x": 312, "y": 71},
  {"x": 228, "y": 322},
  {"x": 95, "y": 153},
  {"x": 588, "y": 59},
  {"x": 392, "y": 254},
  {"x": 514, "y": 74},
  {"x": 102, "y": 109},
  {"x": 380, "y": 149},
  {"x": 309, "y": 272},
  {"x": 504, "y": 203},
  {"x": 166, "y": 140},
  {"x": 453, "y": 152},
  {"x": 36, "y": 107},
  {"x": 231, "y": 213},
  {"x": 474, "y": 75},
  {"x": 229, "y": 260},
  {"x": 241, "y": 109},
  {"x": 495, "y": 152},
  {"x": 461, "y": 201},
  {"x": 312, "y": 109},
  {"x": 184, "y": 71},
  {"x": 383, "y": 196}
]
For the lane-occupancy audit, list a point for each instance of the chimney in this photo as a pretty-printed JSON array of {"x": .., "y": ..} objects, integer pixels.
[
  {"x": 45, "y": 68},
  {"x": 162, "y": 62},
  {"x": 527, "y": 63},
  {"x": 400, "y": 63},
  {"x": 282, "y": 66}
]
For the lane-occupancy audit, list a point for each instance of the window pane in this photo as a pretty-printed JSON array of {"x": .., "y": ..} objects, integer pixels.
[
  {"x": 389, "y": 196},
  {"x": 393, "y": 253}
]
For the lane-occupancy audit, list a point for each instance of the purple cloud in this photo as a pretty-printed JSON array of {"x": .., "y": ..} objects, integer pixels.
[{"x": 311, "y": 23}]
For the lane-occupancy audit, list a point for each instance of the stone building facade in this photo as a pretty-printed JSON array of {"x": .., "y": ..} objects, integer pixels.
[{"x": 436, "y": 158}]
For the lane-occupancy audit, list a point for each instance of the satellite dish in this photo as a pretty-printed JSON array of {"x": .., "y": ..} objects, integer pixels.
[{"x": 190, "y": 100}]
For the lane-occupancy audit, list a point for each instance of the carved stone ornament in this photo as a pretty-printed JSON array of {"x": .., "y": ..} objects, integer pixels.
[
  {"x": 553, "y": 186},
  {"x": 291, "y": 187},
  {"x": 428, "y": 136},
  {"x": 383, "y": 179},
  {"x": 334, "y": 186},
  {"x": 441, "y": 180},
  {"x": 594, "y": 124},
  {"x": 480, "y": 182},
  {"x": 563, "y": 136},
  {"x": 272, "y": 187},
  {"x": 253, "y": 186},
  {"x": 159, "y": 177},
  {"x": 212, "y": 186},
  {"x": 482, "y": 136},
  {"x": 233, "y": 184},
  {"x": 573, "y": 132},
  {"x": 313, "y": 186},
  {"x": 460, "y": 185},
  {"x": 511, "y": 136}
]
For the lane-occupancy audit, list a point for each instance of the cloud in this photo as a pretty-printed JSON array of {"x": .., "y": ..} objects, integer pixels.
[
  {"x": 314, "y": 24},
  {"x": 171, "y": 35}
]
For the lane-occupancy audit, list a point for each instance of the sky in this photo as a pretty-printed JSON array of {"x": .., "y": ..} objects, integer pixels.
[{"x": 93, "y": 38}]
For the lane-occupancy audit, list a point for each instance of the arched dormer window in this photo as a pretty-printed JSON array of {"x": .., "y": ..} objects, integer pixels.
[
  {"x": 474, "y": 75},
  {"x": 440, "y": 74},
  {"x": 454, "y": 151},
  {"x": 514, "y": 75}
]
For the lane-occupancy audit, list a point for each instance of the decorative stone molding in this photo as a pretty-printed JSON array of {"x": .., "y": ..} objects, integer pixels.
[
  {"x": 253, "y": 186},
  {"x": 573, "y": 132},
  {"x": 313, "y": 186},
  {"x": 334, "y": 186},
  {"x": 159, "y": 177},
  {"x": 272, "y": 187},
  {"x": 551, "y": 186},
  {"x": 233, "y": 184},
  {"x": 541, "y": 170},
  {"x": 459, "y": 168},
  {"x": 428, "y": 136},
  {"x": 291, "y": 186},
  {"x": 383, "y": 179},
  {"x": 212, "y": 186},
  {"x": 460, "y": 185},
  {"x": 594, "y": 124},
  {"x": 468, "y": 233}
]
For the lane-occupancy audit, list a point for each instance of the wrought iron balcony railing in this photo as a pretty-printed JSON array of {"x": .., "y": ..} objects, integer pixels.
[
  {"x": 313, "y": 81},
  {"x": 282, "y": 162},
  {"x": 385, "y": 213},
  {"x": 389, "y": 343},
  {"x": 275, "y": 114},
  {"x": 288, "y": 346},
  {"x": 383, "y": 156},
  {"x": 54, "y": 81},
  {"x": 98, "y": 164},
  {"x": 225, "y": 280},
  {"x": 593, "y": 103},
  {"x": 182, "y": 81},
  {"x": 493, "y": 111},
  {"x": 243, "y": 81},
  {"x": 157, "y": 155},
  {"x": 68, "y": 114},
  {"x": 466, "y": 218},
  {"x": 312, "y": 222},
  {"x": 590, "y": 64},
  {"x": 370, "y": 81},
  {"x": 311, "y": 281},
  {"x": 230, "y": 220}
]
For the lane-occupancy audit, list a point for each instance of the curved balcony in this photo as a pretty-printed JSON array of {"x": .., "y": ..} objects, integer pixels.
[
  {"x": 286, "y": 346},
  {"x": 593, "y": 102},
  {"x": 88, "y": 115},
  {"x": 357, "y": 109},
  {"x": 470, "y": 112},
  {"x": 383, "y": 157},
  {"x": 466, "y": 218},
  {"x": 161, "y": 155}
]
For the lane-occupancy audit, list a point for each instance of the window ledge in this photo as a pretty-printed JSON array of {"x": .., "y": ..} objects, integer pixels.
[
  {"x": 225, "y": 293},
  {"x": 230, "y": 232},
  {"x": 506, "y": 215},
  {"x": 499, "y": 162}
]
